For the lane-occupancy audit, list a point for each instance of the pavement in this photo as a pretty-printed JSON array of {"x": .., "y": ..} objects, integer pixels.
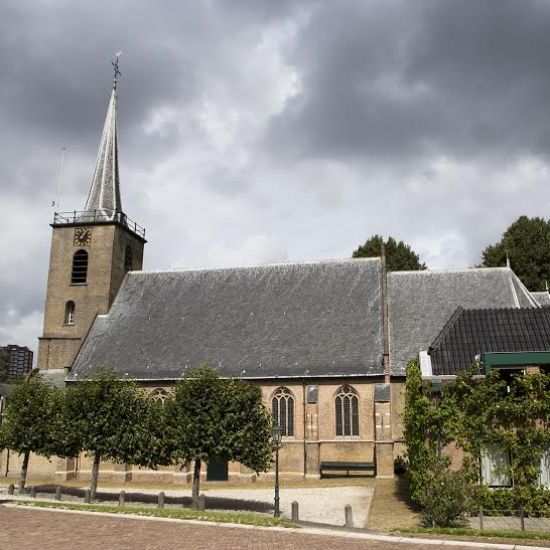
[
  {"x": 25, "y": 529},
  {"x": 318, "y": 505}
]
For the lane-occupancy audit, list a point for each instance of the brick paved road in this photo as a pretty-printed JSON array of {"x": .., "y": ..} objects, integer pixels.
[{"x": 45, "y": 530}]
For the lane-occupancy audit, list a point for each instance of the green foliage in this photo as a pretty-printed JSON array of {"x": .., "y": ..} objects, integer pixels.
[
  {"x": 29, "y": 416},
  {"x": 474, "y": 412},
  {"x": 212, "y": 417},
  {"x": 109, "y": 417},
  {"x": 527, "y": 242},
  {"x": 4, "y": 364},
  {"x": 399, "y": 256},
  {"x": 444, "y": 494}
]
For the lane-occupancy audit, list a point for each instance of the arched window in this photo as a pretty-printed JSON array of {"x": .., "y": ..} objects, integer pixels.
[
  {"x": 347, "y": 411},
  {"x": 159, "y": 396},
  {"x": 282, "y": 408},
  {"x": 69, "y": 313},
  {"x": 79, "y": 272},
  {"x": 128, "y": 258}
]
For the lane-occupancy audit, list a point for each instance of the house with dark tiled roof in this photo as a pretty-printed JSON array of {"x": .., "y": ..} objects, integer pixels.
[
  {"x": 509, "y": 339},
  {"x": 327, "y": 341}
]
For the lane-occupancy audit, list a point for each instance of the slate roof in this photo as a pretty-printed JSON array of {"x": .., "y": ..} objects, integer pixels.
[
  {"x": 104, "y": 195},
  {"x": 421, "y": 302},
  {"x": 285, "y": 320},
  {"x": 471, "y": 332},
  {"x": 543, "y": 298}
]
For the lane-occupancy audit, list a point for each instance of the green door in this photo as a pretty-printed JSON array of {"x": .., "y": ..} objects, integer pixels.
[{"x": 217, "y": 469}]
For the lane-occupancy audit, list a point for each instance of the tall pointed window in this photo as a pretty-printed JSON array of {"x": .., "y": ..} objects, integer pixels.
[
  {"x": 79, "y": 273},
  {"x": 128, "y": 259},
  {"x": 69, "y": 313},
  {"x": 347, "y": 411},
  {"x": 282, "y": 408}
]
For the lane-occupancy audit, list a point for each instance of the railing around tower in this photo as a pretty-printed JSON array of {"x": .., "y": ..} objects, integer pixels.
[{"x": 98, "y": 216}]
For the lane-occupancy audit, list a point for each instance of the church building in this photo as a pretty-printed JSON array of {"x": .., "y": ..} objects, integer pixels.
[{"x": 327, "y": 341}]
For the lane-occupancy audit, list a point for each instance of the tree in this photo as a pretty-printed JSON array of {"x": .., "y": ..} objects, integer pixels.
[
  {"x": 28, "y": 421},
  {"x": 4, "y": 358},
  {"x": 109, "y": 418},
  {"x": 399, "y": 256},
  {"x": 210, "y": 417},
  {"x": 527, "y": 244}
]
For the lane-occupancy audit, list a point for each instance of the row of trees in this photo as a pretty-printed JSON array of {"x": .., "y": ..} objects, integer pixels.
[
  {"x": 525, "y": 244},
  {"x": 205, "y": 417},
  {"x": 475, "y": 414}
]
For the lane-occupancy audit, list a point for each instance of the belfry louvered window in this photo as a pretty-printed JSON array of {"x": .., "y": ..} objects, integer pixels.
[
  {"x": 79, "y": 273},
  {"x": 347, "y": 411},
  {"x": 282, "y": 407}
]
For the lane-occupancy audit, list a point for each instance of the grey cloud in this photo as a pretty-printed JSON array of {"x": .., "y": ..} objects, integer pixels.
[{"x": 388, "y": 80}]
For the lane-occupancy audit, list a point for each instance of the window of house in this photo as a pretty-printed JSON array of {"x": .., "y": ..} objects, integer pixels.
[
  {"x": 544, "y": 475},
  {"x": 159, "y": 395},
  {"x": 347, "y": 411},
  {"x": 282, "y": 408},
  {"x": 69, "y": 313},
  {"x": 128, "y": 258},
  {"x": 79, "y": 273},
  {"x": 495, "y": 462}
]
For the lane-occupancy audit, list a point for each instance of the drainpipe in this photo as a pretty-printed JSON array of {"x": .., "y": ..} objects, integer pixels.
[
  {"x": 385, "y": 316},
  {"x": 304, "y": 423}
]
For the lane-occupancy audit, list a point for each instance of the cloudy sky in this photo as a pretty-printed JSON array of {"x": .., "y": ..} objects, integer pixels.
[{"x": 254, "y": 131}]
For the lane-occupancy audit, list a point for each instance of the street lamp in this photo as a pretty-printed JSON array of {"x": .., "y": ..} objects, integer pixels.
[{"x": 277, "y": 433}]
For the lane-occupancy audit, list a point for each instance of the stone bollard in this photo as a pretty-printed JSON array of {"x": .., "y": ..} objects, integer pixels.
[
  {"x": 11, "y": 489},
  {"x": 202, "y": 502},
  {"x": 294, "y": 512},
  {"x": 161, "y": 500},
  {"x": 122, "y": 498},
  {"x": 58, "y": 493},
  {"x": 33, "y": 492},
  {"x": 87, "y": 496},
  {"x": 349, "y": 516}
]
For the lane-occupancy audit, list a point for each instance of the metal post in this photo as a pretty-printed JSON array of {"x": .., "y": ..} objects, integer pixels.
[
  {"x": 11, "y": 489},
  {"x": 277, "y": 511},
  {"x": 161, "y": 500},
  {"x": 122, "y": 498},
  {"x": 33, "y": 492},
  {"x": 294, "y": 514},
  {"x": 87, "y": 496},
  {"x": 349, "y": 515},
  {"x": 58, "y": 493}
]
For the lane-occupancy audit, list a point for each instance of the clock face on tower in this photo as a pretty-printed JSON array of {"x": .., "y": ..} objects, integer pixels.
[{"x": 82, "y": 236}]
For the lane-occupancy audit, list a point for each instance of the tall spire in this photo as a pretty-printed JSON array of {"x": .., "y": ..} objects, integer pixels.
[{"x": 104, "y": 196}]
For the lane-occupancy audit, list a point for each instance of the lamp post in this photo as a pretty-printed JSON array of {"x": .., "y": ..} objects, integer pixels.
[{"x": 277, "y": 433}]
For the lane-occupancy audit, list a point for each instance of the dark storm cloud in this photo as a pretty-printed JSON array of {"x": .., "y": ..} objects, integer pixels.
[{"x": 408, "y": 79}]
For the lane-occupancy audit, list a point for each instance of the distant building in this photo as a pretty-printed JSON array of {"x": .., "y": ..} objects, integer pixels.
[{"x": 19, "y": 360}]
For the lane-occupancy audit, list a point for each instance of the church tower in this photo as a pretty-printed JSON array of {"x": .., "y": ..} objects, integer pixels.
[{"x": 91, "y": 252}]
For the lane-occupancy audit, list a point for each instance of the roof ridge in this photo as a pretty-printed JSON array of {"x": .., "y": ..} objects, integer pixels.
[
  {"x": 451, "y": 321},
  {"x": 452, "y": 270},
  {"x": 255, "y": 266}
]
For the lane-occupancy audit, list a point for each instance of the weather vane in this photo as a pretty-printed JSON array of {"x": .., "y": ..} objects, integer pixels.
[{"x": 115, "y": 67}]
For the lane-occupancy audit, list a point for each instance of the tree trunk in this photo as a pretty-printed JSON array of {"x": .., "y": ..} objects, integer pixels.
[
  {"x": 196, "y": 483},
  {"x": 23, "y": 477},
  {"x": 95, "y": 475}
]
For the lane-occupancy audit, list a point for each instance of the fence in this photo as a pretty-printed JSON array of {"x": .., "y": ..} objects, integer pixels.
[{"x": 509, "y": 520}]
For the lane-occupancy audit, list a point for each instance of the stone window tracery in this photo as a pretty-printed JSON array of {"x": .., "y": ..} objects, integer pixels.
[
  {"x": 69, "y": 313},
  {"x": 159, "y": 395},
  {"x": 347, "y": 411},
  {"x": 282, "y": 409}
]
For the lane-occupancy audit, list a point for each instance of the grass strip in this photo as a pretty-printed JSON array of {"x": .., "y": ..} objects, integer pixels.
[
  {"x": 243, "y": 518},
  {"x": 468, "y": 532}
]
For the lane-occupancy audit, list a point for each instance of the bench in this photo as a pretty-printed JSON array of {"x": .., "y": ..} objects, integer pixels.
[{"x": 348, "y": 466}]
